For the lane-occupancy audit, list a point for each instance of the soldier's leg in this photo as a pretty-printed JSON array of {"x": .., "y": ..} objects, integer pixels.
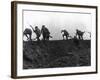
[
  {"x": 79, "y": 37},
  {"x": 38, "y": 38},
  {"x": 44, "y": 37},
  {"x": 66, "y": 37},
  {"x": 63, "y": 36},
  {"x": 30, "y": 37},
  {"x": 47, "y": 37},
  {"x": 26, "y": 36},
  {"x": 82, "y": 37}
]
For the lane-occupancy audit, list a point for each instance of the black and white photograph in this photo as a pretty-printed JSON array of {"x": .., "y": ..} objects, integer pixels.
[{"x": 55, "y": 39}]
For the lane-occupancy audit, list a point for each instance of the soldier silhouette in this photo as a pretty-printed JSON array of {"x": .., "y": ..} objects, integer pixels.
[
  {"x": 65, "y": 33},
  {"x": 28, "y": 33},
  {"x": 37, "y": 32},
  {"x": 45, "y": 32},
  {"x": 79, "y": 34}
]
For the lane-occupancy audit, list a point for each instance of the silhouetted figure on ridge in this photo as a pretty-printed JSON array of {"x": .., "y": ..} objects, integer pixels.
[
  {"x": 28, "y": 33},
  {"x": 79, "y": 34},
  {"x": 65, "y": 33},
  {"x": 37, "y": 32},
  {"x": 45, "y": 33}
]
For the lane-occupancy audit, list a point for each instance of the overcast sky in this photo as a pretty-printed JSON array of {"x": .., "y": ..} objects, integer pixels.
[{"x": 56, "y": 21}]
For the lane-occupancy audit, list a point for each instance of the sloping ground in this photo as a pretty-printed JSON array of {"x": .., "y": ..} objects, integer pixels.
[{"x": 61, "y": 53}]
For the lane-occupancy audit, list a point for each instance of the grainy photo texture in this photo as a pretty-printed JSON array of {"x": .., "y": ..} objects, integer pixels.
[{"x": 56, "y": 39}]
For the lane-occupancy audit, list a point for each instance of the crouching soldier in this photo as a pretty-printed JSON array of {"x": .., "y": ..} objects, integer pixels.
[
  {"x": 65, "y": 33},
  {"x": 45, "y": 32},
  {"x": 27, "y": 32},
  {"x": 37, "y": 32}
]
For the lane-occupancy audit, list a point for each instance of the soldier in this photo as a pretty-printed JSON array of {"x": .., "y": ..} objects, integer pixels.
[
  {"x": 27, "y": 32},
  {"x": 45, "y": 32},
  {"x": 37, "y": 32},
  {"x": 79, "y": 34},
  {"x": 65, "y": 33}
]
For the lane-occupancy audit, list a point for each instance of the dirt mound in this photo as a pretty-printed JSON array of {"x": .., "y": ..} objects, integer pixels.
[{"x": 59, "y": 53}]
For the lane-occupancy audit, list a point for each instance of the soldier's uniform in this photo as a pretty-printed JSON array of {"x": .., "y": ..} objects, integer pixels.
[
  {"x": 45, "y": 32},
  {"x": 65, "y": 33},
  {"x": 38, "y": 33},
  {"x": 27, "y": 32}
]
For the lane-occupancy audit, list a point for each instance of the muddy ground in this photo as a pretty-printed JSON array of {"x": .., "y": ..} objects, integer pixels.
[{"x": 57, "y": 53}]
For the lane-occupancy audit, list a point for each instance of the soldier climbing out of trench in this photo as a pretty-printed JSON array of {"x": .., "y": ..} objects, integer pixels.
[
  {"x": 28, "y": 33},
  {"x": 79, "y": 34},
  {"x": 37, "y": 32},
  {"x": 65, "y": 34}
]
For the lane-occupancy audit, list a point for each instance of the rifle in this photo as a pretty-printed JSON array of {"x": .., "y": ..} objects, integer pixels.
[{"x": 32, "y": 28}]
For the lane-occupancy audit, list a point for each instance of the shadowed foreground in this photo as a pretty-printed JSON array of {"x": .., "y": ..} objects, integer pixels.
[{"x": 60, "y": 53}]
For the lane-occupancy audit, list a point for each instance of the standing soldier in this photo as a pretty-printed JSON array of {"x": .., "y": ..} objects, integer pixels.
[
  {"x": 37, "y": 32},
  {"x": 45, "y": 32}
]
